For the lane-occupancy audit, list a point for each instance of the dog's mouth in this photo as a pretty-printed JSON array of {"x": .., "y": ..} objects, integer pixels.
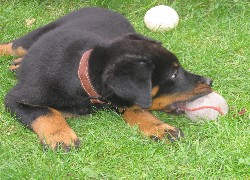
[
  {"x": 176, "y": 108},
  {"x": 180, "y": 107}
]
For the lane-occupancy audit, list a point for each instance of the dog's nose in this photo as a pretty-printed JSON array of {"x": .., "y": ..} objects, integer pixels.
[{"x": 207, "y": 81}]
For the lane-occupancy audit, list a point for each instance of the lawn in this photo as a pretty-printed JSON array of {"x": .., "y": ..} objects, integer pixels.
[{"x": 212, "y": 39}]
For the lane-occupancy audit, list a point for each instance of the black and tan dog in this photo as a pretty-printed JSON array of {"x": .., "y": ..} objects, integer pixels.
[{"x": 92, "y": 57}]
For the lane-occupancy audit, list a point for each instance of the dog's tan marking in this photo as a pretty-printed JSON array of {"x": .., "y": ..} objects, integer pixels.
[
  {"x": 14, "y": 67},
  {"x": 19, "y": 51},
  {"x": 16, "y": 64},
  {"x": 176, "y": 65},
  {"x": 52, "y": 129},
  {"x": 17, "y": 61},
  {"x": 7, "y": 49},
  {"x": 154, "y": 91},
  {"x": 147, "y": 123},
  {"x": 161, "y": 102}
]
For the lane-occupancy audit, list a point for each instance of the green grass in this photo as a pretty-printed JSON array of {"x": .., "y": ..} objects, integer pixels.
[{"x": 212, "y": 39}]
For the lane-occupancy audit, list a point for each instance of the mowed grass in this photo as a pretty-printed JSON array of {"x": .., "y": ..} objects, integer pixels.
[{"x": 212, "y": 39}]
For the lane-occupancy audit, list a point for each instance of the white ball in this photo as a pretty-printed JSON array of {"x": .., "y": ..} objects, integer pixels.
[
  {"x": 208, "y": 107},
  {"x": 161, "y": 18}
]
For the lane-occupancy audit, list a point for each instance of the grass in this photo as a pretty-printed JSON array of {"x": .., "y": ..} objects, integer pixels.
[{"x": 211, "y": 39}]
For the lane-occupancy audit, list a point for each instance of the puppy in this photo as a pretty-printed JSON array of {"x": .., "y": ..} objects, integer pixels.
[{"x": 94, "y": 57}]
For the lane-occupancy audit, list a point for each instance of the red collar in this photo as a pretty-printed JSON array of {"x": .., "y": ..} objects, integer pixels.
[{"x": 83, "y": 74}]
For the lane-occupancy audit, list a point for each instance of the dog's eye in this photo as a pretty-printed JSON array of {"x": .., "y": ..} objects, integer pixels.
[
  {"x": 142, "y": 63},
  {"x": 175, "y": 74}
]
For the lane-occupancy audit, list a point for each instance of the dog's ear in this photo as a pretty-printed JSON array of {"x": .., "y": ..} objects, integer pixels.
[
  {"x": 135, "y": 36},
  {"x": 131, "y": 80}
]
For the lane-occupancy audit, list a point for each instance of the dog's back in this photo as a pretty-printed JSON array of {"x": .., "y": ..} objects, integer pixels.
[{"x": 99, "y": 21}]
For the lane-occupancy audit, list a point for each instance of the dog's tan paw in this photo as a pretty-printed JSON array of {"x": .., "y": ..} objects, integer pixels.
[
  {"x": 53, "y": 131},
  {"x": 65, "y": 139},
  {"x": 16, "y": 64},
  {"x": 150, "y": 126},
  {"x": 163, "y": 131}
]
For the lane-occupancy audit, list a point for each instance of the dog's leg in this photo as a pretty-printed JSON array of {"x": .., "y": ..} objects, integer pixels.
[
  {"x": 151, "y": 126},
  {"x": 20, "y": 46},
  {"x": 53, "y": 130},
  {"x": 8, "y": 49},
  {"x": 49, "y": 124}
]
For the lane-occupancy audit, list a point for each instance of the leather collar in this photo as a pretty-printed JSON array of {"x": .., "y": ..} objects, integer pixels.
[{"x": 83, "y": 74}]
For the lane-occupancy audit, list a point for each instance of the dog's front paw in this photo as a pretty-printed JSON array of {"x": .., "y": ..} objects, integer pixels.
[
  {"x": 150, "y": 126},
  {"x": 164, "y": 131},
  {"x": 175, "y": 134},
  {"x": 53, "y": 131},
  {"x": 16, "y": 64},
  {"x": 64, "y": 138}
]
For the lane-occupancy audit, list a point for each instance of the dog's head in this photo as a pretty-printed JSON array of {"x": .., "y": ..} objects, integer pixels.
[{"x": 143, "y": 72}]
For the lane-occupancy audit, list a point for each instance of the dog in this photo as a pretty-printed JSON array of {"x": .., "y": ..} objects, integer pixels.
[{"x": 94, "y": 57}]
